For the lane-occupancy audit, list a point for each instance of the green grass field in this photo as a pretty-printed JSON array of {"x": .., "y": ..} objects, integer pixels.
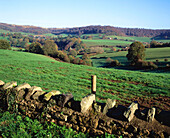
[
  {"x": 141, "y": 39},
  {"x": 6, "y": 38},
  {"x": 152, "y": 54},
  {"x": 94, "y": 36},
  {"x": 23, "y": 33},
  {"x": 4, "y": 31},
  {"x": 105, "y": 42},
  {"x": 51, "y": 35},
  {"x": 121, "y": 40},
  {"x": 49, "y": 74}
]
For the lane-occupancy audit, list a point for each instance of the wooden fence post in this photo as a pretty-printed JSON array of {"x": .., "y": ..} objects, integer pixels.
[{"x": 93, "y": 84}]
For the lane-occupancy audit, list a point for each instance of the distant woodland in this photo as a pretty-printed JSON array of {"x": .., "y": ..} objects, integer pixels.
[{"x": 109, "y": 30}]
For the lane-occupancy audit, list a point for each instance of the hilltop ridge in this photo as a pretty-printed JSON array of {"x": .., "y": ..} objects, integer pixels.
[{"x": 93, "y": 29}]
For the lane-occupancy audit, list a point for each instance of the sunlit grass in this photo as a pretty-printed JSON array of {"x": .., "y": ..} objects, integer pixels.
[{"x": 50, "y": 74}]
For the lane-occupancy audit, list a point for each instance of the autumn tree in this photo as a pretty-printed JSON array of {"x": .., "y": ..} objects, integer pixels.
[
  {"x": 98, "y": 50},
  {"x": 4, "y": 44},
  {"x": 153, "y": 44},
  {"x": 73, "y": 52},
  {"x": 136, "y": 52},
  {"x": 35, "y": 48},
  {"x": 50, "y": 48},
  {"x": 85, "y": 56}
]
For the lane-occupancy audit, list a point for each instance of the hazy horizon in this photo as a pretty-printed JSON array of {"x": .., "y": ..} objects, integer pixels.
[
  {"x": 88, "y": 25},
  {"x": 147, "y": 14}
]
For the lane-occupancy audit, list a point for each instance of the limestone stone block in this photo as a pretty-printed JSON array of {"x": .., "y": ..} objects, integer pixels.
[
  {"x": 10, "y": 85},
  {"x": 86, "y": 102}
]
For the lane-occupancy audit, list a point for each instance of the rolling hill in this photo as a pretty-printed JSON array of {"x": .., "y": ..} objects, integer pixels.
[
  {"x": 122, "y": 85},
  {"x": 95, "y": 29}
]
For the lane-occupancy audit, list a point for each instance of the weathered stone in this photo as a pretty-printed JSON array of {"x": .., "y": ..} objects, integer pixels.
[
  {"x": 23, "y": 86},
  {"x": 64, "y": 98},
  {"x": 9, "y": 85},
  {"x": 31, "y": 106},
  {"x": 67, "y": 111},
  {"x": 50, "y": 94},
  {"x": 67, "y": 125},
  {"x": 95, "y": 132},
  {"x": 94, "y": 123},
  {"x": 102, "y": 128},
  {"x": 129, "y": 113},
  {"x": 39, "y": 105},
  {"x": 22, "y": 108},
  {"x": 70, "y": 125},
  {"x": 76, "y": 127},
  {"x": 1, "y": 83},
  {"x": 97, "y": 107},
  {"x": 131, "y": 129},
  {"x": 61, "y": 123},
  {"x": 109, "y": 130},
  {"x": 31, "y": 91},
  {"x": 108, "y": 122},
  {"x": 125, "y": 134},
  {"x": 73, "y": 119},
  {"x": 85, "y": 120},
  {"x": 20, "y": 95},
  {"x": 114, "y": 128},
  {"x": 151, "y": 114},
  {"x": 82, "y": 129},
  {"x": 109, "y": 104},
  {"x": 48, "y": 116},
  {"x": 61, "y": 116},
  {"x": 86, "y": 102},
  {"x": 37, "y": 94},
  {"x": 145, "y": 132},
  {"x": 99, "y": 132},
  {"x": 80, "y": 119}
]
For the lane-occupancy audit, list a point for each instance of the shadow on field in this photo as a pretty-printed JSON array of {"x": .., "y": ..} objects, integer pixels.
[{"x": 157, "y": 58}]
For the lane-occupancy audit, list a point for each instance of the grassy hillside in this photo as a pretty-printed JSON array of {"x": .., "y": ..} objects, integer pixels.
[
  {"x": 4, "y": 31},
  {"x": 105, "y": 42},
  {"x": 134, "y": 38},
  {"x": 116, "y": 40},
  {"x": 23, "y": 33},
  {"x": 152, "y": 54},
  {"x": 50, "y": 74}
]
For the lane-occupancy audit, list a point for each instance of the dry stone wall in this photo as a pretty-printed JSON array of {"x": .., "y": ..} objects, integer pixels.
[{"x": 87, "y": 115}]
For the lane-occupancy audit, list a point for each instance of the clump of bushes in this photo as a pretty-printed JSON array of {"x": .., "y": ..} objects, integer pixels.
[
  {"x": 115, "y": 63},
  {"x": 157, "y": 60},
  {"x": 97, "y": 50},
  {"x": 109, "y": 60},
  {"x": 166, "y": 60},
  {"x": 4, "y": 44},
  {"x": 112, "y": 63},
  {"x": 51, "y": 49},
  {"x": 145, "y": 65}
]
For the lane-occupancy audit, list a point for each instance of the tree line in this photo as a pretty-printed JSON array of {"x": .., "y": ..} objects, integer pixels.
[
  {"x": 67, "y": 53},
  {"x": 108, "y": 30},
  {"x": 22, "y": 28}
]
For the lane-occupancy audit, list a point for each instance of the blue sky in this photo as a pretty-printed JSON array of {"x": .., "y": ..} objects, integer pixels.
[{"x": 153, "y": 14}]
